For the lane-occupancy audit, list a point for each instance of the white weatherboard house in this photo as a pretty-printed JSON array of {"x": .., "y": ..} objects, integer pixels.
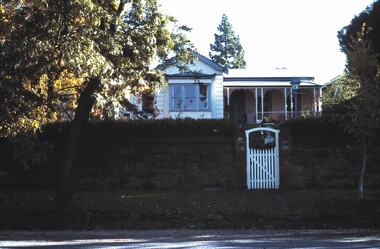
[{"x": 236, "y": 94}]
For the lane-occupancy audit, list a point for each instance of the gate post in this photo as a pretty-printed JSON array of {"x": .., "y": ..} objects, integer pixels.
[
  {"x": 277, "y": 160},
  {"x": 248, "y": 162}
]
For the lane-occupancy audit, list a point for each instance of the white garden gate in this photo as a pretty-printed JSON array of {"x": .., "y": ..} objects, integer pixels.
[{"x": 263, "y": 169}]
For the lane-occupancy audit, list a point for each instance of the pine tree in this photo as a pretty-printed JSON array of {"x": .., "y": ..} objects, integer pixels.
[{"x": 227, "y": 50}]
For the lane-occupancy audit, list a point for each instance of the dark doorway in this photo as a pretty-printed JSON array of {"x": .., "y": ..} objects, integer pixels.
[{"x": 237, "y": 106}]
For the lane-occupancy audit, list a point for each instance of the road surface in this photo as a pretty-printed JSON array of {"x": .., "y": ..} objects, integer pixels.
[{"x": 186, "y": 239}]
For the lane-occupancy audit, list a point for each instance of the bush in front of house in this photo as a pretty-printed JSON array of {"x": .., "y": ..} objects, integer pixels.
[{"x": 145, "y": 128}]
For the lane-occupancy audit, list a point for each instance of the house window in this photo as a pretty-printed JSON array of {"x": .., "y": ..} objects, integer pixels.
[
  {"x": 190, "y": 97},
  {"x": 203, "y": 97}
]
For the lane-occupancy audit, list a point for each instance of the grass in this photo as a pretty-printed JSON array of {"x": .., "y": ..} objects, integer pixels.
[{"x": 271, "y": 209}]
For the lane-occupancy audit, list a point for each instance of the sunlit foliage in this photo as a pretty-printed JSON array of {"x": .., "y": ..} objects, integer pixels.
[{"x": 50, "y": 49}]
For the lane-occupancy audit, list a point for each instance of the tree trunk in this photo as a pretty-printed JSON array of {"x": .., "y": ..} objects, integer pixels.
[
  {"x": 362, "y": 170},
  {"x": 65, "y": 178}
]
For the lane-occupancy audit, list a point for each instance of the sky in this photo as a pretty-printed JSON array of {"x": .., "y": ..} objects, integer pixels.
[{"x": 298, "y": 35}]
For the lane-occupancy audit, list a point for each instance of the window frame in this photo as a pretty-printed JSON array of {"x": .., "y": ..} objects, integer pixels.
[{"x": 184, "y": 97}]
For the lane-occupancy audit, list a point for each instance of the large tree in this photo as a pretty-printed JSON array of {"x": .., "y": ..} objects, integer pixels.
[
  {"x": 227, "y": 50},
  {"x": 61, "y": 53},
  {"x": 360, "y": 85},
  {"x": 358, "y": 92}
]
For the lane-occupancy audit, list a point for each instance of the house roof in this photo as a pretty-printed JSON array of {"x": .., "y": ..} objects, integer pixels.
[
  {"x": 246, "y": 78},
  {"x": 266, "y": 83},
  {"x": 212, "y": 64},
  {"x": 201, "y": 58},
  {"x": 273, "y": 78},
  {"x": 279, "y": 74}
]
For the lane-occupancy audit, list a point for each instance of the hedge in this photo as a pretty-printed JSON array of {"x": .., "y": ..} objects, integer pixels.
[
  {"x": 145, "y": 128},
  {"x": 310, "y": 126}
]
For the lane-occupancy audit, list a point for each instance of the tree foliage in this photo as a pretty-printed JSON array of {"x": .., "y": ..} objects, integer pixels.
[
  {"x": 359, "y": 86},
  {"x": 51, "y": 49},
  {"x": 227, "y": 50},
  {"x": 371, "y": 17},
  {"x": 338, "y": 91},
  {"x": 363, "y": 108}
]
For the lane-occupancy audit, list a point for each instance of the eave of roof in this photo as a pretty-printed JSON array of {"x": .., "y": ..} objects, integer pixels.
[
  {"x": 277, "y": 79},
  {"x": 271, "y": 84},
  {"x": 189, "y": 76}
]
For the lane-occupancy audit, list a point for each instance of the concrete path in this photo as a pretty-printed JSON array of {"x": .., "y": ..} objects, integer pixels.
[{"x": 184, "y": 239}]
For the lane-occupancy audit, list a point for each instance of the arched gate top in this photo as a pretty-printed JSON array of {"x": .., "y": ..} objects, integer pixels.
[{"x": 262, "y": 129}]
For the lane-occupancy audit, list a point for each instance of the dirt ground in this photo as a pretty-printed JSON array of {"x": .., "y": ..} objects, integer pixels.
[{"x": 203, "y": 209}]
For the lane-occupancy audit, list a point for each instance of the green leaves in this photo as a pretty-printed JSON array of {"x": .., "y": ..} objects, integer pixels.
[
  {"x": 371, "y": 18},
  {"x": 358, "y": 90},
  {"x": 52, "y": 48}
]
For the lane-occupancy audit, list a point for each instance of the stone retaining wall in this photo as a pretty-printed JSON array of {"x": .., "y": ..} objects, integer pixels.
[
  {"x": 182, "y": 162},
  {"x": 202, "y": 163},
  {"x": 322, "y": 162}
]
